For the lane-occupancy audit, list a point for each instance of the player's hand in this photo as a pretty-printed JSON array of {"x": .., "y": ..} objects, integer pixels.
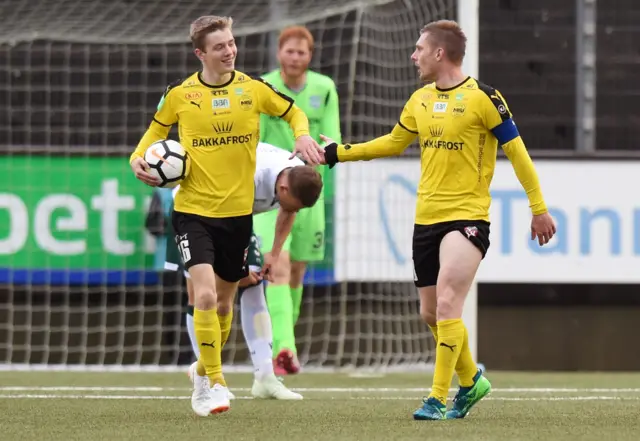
[
  {"x": 330, "y": 151},
  {"x": 252, "y": 279},
  {"x": 267, "y": 267},
  {"x": 309, "y": 149},
  {"x": 543, "y": 226},
  {"x": 140, "y": 167}
]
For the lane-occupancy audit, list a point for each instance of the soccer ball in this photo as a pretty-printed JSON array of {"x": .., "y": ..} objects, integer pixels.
[{"x": 168, "y": 161}]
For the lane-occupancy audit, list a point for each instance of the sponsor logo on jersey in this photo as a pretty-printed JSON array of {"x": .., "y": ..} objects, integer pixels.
[
  {"x": 220, "y": 103},
  {"x": 246, "y": 102},
  {"x": 459, "y": 96},
  {"x": 440, "y": 107},
  {"x": 193, "y": 96},
  {"x": 458, "y": 109},
  {"x": 223, "y": 127},
  {"x": 315, "y": 101},
  {"x": 221, "y": 140},
  {"x": 443, "y": 96},
  {"x": 430, "y": 143},
  {"x": 238, "y": 91},
  {"x": 221, "y": 92},
  {"x": 436, "y": 131}
]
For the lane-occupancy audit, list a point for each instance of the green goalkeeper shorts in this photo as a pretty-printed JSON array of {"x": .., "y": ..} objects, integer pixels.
[{"x": 306, "y": 241}]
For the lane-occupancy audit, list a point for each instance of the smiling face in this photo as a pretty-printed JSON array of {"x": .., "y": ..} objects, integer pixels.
[{"x": 219, "y": 52}]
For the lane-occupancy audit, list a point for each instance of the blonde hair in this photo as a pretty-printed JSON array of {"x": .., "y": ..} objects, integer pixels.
[
  {"x": 448, "y": 35},
  {"x": 203, "y": 26}
]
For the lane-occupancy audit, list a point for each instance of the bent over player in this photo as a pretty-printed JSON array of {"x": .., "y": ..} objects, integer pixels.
[
  {"x": 285, "y": 186},
  {"x": 459, "y": 122},
  {"x": 218, "y": 111}
]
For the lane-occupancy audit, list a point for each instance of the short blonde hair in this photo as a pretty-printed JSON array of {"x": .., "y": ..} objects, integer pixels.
[
  {"x": 449, "y": 35},
  {"x": 203, "y": 26}
]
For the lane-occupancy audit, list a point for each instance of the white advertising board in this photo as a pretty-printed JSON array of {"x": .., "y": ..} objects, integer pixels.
[{"x": 596, "y": 206}]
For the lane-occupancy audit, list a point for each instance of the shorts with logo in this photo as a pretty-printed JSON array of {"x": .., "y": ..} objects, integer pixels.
[
  {"x": 426, "y": 246},
  {"x": 220, "y": 242}
]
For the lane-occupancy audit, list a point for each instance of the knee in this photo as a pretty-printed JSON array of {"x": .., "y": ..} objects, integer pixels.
[
  {"x": 297, "y": 273},
  {"x": 428, "y": 315},
  {"x": 282, "y": 270},
  {"x": 224, "y": 308},
  {"x": 205, "y": 298}
]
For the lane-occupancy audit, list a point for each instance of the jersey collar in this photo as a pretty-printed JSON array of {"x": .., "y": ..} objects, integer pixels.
[
  {"x": 217, "y": 86},
  {"x": 454, "y": 87}
]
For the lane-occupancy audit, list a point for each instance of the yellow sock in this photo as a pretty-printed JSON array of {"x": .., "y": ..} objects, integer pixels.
[
  {"x": 466, "y": 368},
  {"x": 450, "y": 340},
  {"x": 225, "y": 327},
  {"x": 207, "y": 330}
]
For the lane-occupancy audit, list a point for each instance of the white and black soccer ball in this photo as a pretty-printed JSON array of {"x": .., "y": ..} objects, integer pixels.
[{"x": 168, "y": 161}]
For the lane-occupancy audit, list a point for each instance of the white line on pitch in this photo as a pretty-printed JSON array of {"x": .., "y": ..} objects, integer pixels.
[
  {"x": 169, "y": 397},
  {"x": 306, "y": 389}
]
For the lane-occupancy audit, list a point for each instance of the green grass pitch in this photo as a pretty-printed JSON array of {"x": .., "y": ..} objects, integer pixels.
[{"x": 136, "y": 406}]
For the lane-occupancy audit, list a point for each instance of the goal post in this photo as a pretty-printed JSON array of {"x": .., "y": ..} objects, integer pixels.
[
  {"x": 468, "y": 19},
  {"x": 78, "y": 285}
]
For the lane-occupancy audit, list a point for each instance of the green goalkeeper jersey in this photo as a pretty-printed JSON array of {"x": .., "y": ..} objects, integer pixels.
[{"x": 318, "y": 100}]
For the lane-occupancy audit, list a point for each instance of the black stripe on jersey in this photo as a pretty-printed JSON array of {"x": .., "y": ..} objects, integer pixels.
[
  {"x": 404, "y": 127},
  {"x": 499, "y": 104},
  {"x": 163, "y": 125},
  {"x": 277, "y": 92},
  {"x": 326, "y": 100},
  {"x": 171, "y": 85}
]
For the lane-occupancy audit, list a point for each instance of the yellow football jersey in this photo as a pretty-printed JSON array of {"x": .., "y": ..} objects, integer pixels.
[
  {"x": 459, "y": 130},
  {"x": 219, "y": 128}
]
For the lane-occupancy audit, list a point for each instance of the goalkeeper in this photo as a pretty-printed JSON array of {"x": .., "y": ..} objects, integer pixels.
[
  {"x": 459, "y": 122},
  {"x": 284, "y": 186},
  {"x": 316, "y": 95}
]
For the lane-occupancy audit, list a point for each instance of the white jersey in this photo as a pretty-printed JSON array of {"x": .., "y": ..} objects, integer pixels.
[{"x": 270, "y": 161}]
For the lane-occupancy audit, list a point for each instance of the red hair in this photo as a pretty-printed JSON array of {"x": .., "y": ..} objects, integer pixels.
[{"x": 295, "y": 32}]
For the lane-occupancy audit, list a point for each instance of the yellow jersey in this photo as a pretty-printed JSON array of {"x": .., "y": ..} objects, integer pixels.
[
  {"x": 459, "y": 130},
  {"x": 219, "y": 128}
]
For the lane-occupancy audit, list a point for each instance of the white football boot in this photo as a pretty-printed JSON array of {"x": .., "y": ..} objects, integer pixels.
[
  {"x": 205, "y": 399},
  {"x": 191, "y": 373},
  {"x": 272, "y": 388}
]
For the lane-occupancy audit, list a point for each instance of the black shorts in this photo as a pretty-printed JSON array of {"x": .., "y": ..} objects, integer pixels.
[
  {"x": 426, "y": 246},
  {"x": 221, "y": 242}
]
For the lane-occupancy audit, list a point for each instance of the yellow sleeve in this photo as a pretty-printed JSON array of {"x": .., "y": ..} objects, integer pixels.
[
  {"x": 498, "y": 119},
  {"x": 394, "y": 143},
  {"x": 526, "y": 173},
  {"x": 160, "y": 126},
  {"x": 273, "y": 102}
]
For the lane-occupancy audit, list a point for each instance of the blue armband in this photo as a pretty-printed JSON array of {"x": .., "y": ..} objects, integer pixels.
[{"x": 506, "y": 131}]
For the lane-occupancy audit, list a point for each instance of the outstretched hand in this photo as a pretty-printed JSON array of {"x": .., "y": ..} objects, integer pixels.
[{"x": 309, "y": 149}]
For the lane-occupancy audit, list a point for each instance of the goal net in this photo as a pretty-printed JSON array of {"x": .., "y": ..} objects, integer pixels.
[{"x": 80, "y": 80}]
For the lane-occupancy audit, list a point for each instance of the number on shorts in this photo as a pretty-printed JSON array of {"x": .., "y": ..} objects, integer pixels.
[
  {"x": 183, "y": 246},
  {"x": 319, "y": 239}
]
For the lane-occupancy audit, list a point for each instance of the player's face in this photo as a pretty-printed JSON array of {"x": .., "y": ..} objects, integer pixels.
[
  {"x": 426, "y": 58},
  {"x": 294, "y": 57},
  {"x": 220, "y": 52}
]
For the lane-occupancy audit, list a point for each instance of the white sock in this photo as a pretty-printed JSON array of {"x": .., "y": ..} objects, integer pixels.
[
  {"x": 192, "y": 335},
  {"x": 256, "y": 327}
]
